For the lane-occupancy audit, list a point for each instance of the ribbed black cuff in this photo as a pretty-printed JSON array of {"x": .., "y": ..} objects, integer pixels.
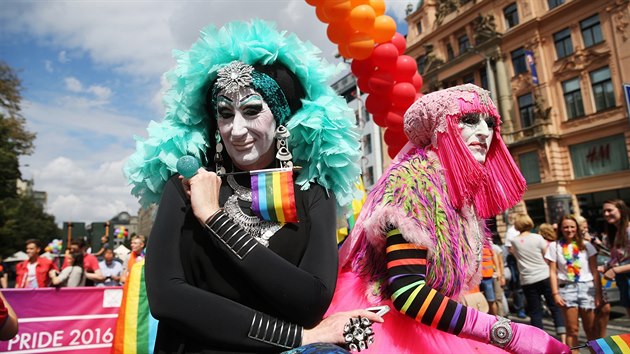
[
  {"x": 230, "y": 234},
  {"x": 271, "y": 330}
]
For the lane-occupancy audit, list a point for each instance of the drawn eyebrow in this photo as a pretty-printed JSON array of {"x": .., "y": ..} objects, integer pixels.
[
  {"x": 223, "y": 99},
  {"x": 250, "y": 97}
]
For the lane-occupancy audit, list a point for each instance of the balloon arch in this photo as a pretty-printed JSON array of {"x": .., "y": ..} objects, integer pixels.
[{"x": 364, "y": 34}]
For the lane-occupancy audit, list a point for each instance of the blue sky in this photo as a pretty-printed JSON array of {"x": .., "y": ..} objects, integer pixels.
[{"x": 92, "y": 77}]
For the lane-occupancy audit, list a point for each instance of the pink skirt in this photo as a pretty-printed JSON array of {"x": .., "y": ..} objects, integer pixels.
[{"x": 400, "y": 334}]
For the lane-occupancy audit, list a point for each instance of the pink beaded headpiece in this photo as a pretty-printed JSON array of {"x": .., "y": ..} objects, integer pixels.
[{"x": 432, "y": 123}]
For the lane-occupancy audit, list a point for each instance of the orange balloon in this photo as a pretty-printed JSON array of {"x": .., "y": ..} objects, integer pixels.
[
  {"x": 339, "y": 32},
  {"x": 321, "y": 15},
  {"x": 360, "y": 45},
  {"x": 343, "y": 50},
  {"x": 362, "y": 18},
  {"x": 314, "y": 2},
  {"x": 337, "y": 10},
  {"x": 378, "y": 6},
  {"x": 384, "y": 29},
  {"x": 355, "y": 3}
]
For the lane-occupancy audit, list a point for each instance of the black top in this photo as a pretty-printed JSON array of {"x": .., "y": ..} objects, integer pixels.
[{"x": 206, "y": 297}]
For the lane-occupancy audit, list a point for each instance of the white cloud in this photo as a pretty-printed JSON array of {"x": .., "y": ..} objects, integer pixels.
[
  {"x": 73, "y": 84},
  {"x": 62, "y": 57},
  {"x": 101, "y": 92}
]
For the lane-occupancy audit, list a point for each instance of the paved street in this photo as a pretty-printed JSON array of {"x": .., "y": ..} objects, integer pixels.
[{"x": 619, "y": 323}]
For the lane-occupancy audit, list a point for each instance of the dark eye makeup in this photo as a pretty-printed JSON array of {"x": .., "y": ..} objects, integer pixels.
[{"x": 473, "y": 119}]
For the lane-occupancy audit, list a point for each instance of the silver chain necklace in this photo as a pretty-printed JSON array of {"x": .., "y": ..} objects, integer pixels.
[{"x": 261, "y": 230}]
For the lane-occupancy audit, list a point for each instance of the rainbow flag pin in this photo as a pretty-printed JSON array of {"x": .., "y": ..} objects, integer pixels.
[{"x": 273, "y": 198}]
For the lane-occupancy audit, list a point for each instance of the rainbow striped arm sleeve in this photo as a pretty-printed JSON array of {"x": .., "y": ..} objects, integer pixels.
[{"x": 407, "y": 269}]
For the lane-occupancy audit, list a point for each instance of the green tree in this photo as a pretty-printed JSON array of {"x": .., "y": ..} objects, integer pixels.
[{"x": 21, "y": 217}]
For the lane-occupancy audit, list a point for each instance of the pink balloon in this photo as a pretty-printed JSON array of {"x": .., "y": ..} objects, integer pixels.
[{"x": 385, "y": 56}]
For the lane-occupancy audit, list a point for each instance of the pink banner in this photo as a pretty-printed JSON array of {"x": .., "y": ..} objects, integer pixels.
[{"x": 65, "y": 320}]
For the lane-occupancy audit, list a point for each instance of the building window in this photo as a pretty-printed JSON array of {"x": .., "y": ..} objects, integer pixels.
[
  {"x": 602, "y": 89},
  {"x": 599, "y": 156},
  {"x": 421, "y": 61},
  {"x": 564, "y": 46},
  {"x": 464, "y": 44},
  {"x": 449, "y": 51},
  {"x": 367, "y": 144},
  {"x": 518, "y": 61},
  {"x": 419, "y": 27},
  {"x": 510, "y": 13},
  {"x": 591, "y": 31},
  {"x": 526, "y": 109},
  {"x": 530, "y": 167},
  {"x": 554, "y": 3},
  {"x": 573, "y": 98}
]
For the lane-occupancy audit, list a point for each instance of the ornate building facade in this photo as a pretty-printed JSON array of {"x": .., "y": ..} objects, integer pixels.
[{"x": 558, "y": 71}]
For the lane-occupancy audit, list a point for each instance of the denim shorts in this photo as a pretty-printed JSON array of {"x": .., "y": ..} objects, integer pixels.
[
  {"x": 487, "y": 288},
  {"x": 579, "y": 294}
]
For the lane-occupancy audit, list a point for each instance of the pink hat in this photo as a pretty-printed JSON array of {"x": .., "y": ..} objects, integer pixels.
[{"x": 432, "y": 123}]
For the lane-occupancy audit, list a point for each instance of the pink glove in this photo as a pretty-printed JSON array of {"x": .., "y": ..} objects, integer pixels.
[{"x": 525, "y": 339}]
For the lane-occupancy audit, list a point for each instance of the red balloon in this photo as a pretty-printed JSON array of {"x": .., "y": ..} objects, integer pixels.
[
  {"x": 381, "y": 82},
  {"x": 379, "y": 119},
  {"x": 403, "y": 95},
  {"x": 384, "y": 56},
  {"x": 400, "y": 42},
  {"x": 417, "y": 81},
  {"x": 364, "y": 83},
  {"x": 406, "y": 67},
  {"x": 314, "y": 2},
  {"x": 394, "y": 121},
  {"x": 377, "y": 104},
  {"x": 362, "y": 67},
  {"x": 321, "y": 15},
  {"x": 392, "y": 151},
  {"x": 392, "y": 137}
]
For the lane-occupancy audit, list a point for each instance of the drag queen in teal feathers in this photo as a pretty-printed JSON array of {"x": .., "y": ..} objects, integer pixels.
[{"x": 219, "y": 278}]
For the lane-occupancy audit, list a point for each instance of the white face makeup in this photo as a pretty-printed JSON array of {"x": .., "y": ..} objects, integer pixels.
[
  {"x": 247, "y": 128},
  {"x": 477, "y": 132}
]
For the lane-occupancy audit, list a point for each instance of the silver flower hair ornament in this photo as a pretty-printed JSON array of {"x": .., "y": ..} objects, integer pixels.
[{"x": 234, "y": 76}]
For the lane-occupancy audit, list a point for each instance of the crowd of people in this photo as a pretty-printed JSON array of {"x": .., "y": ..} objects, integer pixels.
[
  {"x": 553, "y": 270},
  {"x": 77, "y": 267}
]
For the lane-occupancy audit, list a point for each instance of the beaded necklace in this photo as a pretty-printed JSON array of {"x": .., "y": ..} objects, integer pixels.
[{"x": 571, "y": 253}]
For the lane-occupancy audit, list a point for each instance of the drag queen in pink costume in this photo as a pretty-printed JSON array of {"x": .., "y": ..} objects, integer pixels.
[{"x": 418, "y": 241}]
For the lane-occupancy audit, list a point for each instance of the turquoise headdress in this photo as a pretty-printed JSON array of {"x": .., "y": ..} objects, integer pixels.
[{"x": 324, "y": 139}]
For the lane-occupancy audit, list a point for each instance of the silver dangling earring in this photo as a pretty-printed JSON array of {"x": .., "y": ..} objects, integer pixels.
[
  {"x": 218, "y": 158},
  {"x": 283, "y": 154}
]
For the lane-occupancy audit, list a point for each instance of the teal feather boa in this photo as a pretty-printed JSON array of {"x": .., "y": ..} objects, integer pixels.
[{"x": 324, "y": 138}]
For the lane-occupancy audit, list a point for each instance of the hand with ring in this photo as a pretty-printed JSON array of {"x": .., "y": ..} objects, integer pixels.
[
  {"x": 358, "y": 333},
  {"x": 332, "y": 329}
]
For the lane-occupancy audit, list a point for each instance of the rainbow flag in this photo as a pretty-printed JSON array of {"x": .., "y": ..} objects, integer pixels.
[
  {"x": 617, "y": 344},
  {"x": 136, "y": 329},
  {"x": 273, "y": 198}
]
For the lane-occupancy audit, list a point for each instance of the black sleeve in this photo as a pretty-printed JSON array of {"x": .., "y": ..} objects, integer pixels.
[{"x": 300, "y": 294}]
